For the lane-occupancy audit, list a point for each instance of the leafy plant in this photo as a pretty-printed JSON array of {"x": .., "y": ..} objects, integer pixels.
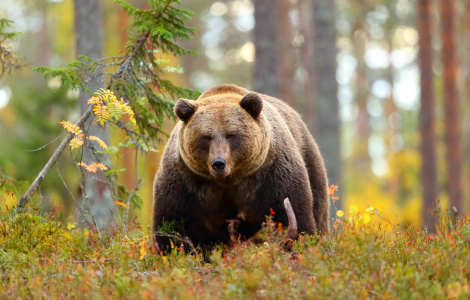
[
  {"x": 7, "y": 60},
  {"x": 138, "y": 80},
  {"x": 42, "y": 257},
  {"x": 105, "y": 107}
]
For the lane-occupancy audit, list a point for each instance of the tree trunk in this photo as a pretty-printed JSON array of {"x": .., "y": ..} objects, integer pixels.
[
  {"x": 326, "y": 129},
  {"x": 451, "y": 105},
  {"x": 286, "y": 58},
  {"x": 306, "y": 57},
  {"x": 89, "y": 42},
  {"x": 266, "y": 69},
  {"x": 467, "y": 87},
  {"x": 363, "y": 130},
  {"x": 44, "y": 51},
  {"x": 427, "y": 115}
]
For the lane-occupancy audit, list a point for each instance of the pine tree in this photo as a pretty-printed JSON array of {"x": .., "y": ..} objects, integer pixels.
[
  {"x": 138, "y": 78},
  {"x": 427, "y": 114},
  {"x": 325, "y": 125},
  {"x": 453, "y": 127},
  {"x": 7, "y": 60},
  {"x": 266, "y": 70}
]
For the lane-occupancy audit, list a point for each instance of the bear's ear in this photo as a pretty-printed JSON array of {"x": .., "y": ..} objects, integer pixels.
[
  {"x": 184, "y": 109},
  {"x": 253, "y": 104}
]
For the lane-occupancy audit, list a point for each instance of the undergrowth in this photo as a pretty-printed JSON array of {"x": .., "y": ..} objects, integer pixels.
[{"x": 44, "y": 258}]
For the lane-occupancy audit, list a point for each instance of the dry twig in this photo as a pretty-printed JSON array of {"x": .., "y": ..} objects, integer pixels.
[{"x": 291, "y": 236}]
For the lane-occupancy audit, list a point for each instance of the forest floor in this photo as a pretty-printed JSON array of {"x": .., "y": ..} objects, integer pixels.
[{"x": 42, "y": 258}]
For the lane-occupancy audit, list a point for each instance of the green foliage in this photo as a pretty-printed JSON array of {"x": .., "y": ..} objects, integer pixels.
[
  {"x": 139, "y": 79},
  {"x": 157, "y": 30},
  {"x": 167, "y": 226},
  {"x": 41, "y": 257},
  {"x": 5, "y": 36},
  {"x": 29, "y": 125},
  {"x": 162, "y": 24},
  {"x": 72, "y": 76},
  {"x": 7, "y": 59},
  {"x": 133, "y": 197}
]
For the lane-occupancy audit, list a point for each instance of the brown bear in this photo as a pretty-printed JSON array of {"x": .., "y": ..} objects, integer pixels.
[{"x": 235, "y": 155}]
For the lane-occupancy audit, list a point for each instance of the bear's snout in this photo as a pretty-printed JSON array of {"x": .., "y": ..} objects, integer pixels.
[
  {"x": 219, "y": 161},
  {"x": 218, "y": 164}
]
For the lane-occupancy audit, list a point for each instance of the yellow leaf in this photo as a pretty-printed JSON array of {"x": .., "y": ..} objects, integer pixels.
[
  {"x": 90, "y": 168},
  {"x": 101, "y": 113},
  {"x": 122, "y": 204},
  {"x": 366, "y": 218},
  {"x": 99, "y": 166},
  {"x": 94, "y": 100},
  {"x": 340, "y": 213},
  {"x": 71, "y": 127},
  {"x": 353, "y": 208},
  {"x": 100, "y": 141},
  {"x": 129, "y": 112},
  {"x": 86, "y": 232},
  {"x": 143, "y": 250},
  {"x": 93, "y": 167},
  {"x": 115, "y": 109},
  {"x": 105, "y": 95},
  {"x": 75, "y": 143}
]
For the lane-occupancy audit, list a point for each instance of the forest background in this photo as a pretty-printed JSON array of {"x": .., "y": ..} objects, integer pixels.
[{"x": 364, "y": 75}]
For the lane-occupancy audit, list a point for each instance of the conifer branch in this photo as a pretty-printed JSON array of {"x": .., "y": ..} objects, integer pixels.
[
  {"x": 24, "y": 200},
  {"x": 153, "y": 30},
  {"x": 8, "y": 61},
  {"x": 33, "y": 187}
]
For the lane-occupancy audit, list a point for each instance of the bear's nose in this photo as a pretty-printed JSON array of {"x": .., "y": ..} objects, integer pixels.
[{"x": 218, "y": 164}]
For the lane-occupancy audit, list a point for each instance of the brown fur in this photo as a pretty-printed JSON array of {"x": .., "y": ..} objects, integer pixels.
[{"x": 270, "y": 156}]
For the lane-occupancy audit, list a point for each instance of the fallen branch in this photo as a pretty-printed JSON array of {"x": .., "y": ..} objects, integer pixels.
[
  {"x": 292, "y": 229},
  {"x": 77, "y": 261},
  {"x": 24, "y": 200},
  {"x": 233, "y": 230},
  {"x": 185, "y": 240},
  {"x": 291, "y": 236}
]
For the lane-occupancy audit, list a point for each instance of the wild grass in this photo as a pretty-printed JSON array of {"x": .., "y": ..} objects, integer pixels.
[{"x": 41, "y": 258}]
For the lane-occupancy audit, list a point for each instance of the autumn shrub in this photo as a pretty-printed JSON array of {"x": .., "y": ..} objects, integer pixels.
[{"x": 41, "y": 257}]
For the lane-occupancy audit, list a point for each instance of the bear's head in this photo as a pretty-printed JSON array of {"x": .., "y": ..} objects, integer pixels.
[{"x": 223, "y": 137}]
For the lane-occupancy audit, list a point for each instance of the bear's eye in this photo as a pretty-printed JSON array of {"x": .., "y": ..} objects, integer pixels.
[
  {"x": 230, "y": 136},
  {"x": 204, "y": 141}
]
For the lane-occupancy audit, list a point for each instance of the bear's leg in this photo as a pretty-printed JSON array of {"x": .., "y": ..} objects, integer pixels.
[
  {"x": 318, "y": 184},
  {"x": 172, "y": 206},
  {"x": 290, "y": 180}
]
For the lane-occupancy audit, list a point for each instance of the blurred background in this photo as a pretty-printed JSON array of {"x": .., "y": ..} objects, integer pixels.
[{"x": 381, "y": 84}]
